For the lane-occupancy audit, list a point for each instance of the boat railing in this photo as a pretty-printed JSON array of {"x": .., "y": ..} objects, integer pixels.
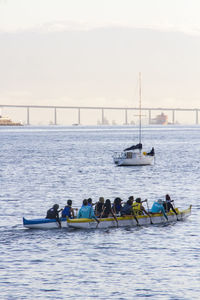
[{"x": 119, "y": 155}]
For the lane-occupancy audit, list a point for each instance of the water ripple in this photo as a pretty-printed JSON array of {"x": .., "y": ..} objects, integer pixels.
[{"x": 41, "y": 166}]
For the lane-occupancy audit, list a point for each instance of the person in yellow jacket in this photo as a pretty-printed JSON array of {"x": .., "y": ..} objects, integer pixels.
[{"x": 139, "y": 209}]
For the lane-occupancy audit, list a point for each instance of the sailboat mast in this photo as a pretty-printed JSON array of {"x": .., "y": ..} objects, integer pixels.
[{"x": 140, "y": 104}]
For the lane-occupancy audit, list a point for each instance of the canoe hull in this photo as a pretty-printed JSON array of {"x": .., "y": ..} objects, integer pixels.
[
  {"x": 128, "y": 221},
  {"x": 136, "y": 159},
  {"x": 44, "y": 223}
]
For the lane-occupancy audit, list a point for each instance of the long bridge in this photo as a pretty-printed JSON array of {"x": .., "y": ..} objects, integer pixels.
[{"x": 103, "y": 109}]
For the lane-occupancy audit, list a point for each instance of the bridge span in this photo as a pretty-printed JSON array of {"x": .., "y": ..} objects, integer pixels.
[{"x": 103, "y": 109}]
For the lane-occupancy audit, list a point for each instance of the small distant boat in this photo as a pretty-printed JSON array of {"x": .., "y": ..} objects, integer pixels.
[
  {"x": 44, "y": 223},
  {"x": 5, "y": 121},
  {"x": 161, "y": 119},
  {"x": 134, "y": 156},
  {"x": 129, "y": 220}
]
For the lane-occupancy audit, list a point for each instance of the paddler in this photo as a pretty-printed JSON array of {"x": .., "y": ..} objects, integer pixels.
[
  {"x": 139, "y": 209},
  {"x": 168, "y": 205},
  {"x": 127, "y": 209},
  {"x": 99, "y": 206},
  {"x": 158, "y": 208},
  {"x": 53, "y": 213},
  {"x": 68, "y": 211},
  {"x": 86, "y": 211},
  {"x": 117, "y": 206}
]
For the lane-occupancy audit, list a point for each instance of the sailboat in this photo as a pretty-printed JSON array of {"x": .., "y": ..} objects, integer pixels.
[{"x": 134, "y": 155}]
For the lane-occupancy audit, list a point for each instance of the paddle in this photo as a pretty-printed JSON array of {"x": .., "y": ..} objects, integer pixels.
[
  {"x": 97, "y": 221},
  {"x": 97, "y": 224},
  {"x": 135, "y": 217},
  {"x": 115, "y": 218},
  {"x": 174, "y": 210},
  {"x": 58, "y": 219},
  {"x": 92, "y": 215},
  {"x": 148, "y": 211},
  {"x": 59, "y": 223},
  {"x": 100, "y": 218},
  {"x": 102, "y": 215}
]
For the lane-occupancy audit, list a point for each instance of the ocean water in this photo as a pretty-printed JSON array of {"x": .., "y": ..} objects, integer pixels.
[{"x": 40, "y": 166}]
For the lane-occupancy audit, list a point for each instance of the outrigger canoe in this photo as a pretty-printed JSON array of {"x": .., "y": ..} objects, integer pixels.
[
  {"x": 129, "y": 220},
  {"x": 106, "y": 222}
]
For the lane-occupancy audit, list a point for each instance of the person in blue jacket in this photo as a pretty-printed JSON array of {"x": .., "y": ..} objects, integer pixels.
[
  {"x": 158, "y": 208},
  {"x": 68, "y": 210},
  {"x": 86, "y": 211}
]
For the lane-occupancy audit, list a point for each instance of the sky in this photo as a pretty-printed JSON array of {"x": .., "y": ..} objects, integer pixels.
[
  {"x": 90, "y": 52},
  {"x": 180, "y": 15}
]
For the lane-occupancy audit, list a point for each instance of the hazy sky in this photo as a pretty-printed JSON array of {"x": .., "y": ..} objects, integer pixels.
[
  {"x": 89, "y": 52},
  {"x": 180, "y": 15}
]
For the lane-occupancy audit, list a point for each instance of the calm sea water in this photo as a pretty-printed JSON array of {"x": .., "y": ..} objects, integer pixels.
[{"x": 40, "y": 166}]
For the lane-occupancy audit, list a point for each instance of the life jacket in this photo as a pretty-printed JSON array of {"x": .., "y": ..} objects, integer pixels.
[
  {"x": 137, "y": 208},
  {"x": 117, "y": 207},
  {"x": 66, "y": 212}
]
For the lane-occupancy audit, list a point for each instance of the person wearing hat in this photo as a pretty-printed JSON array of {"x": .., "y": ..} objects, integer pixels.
[
  {"x": 68, "y": 210},
  {"x": 53, "y": 213},
  {"x": 158, "y": 208}
]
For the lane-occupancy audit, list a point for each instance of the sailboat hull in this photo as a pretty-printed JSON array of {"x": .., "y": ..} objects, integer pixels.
[{"x": 135, "y": 159}]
